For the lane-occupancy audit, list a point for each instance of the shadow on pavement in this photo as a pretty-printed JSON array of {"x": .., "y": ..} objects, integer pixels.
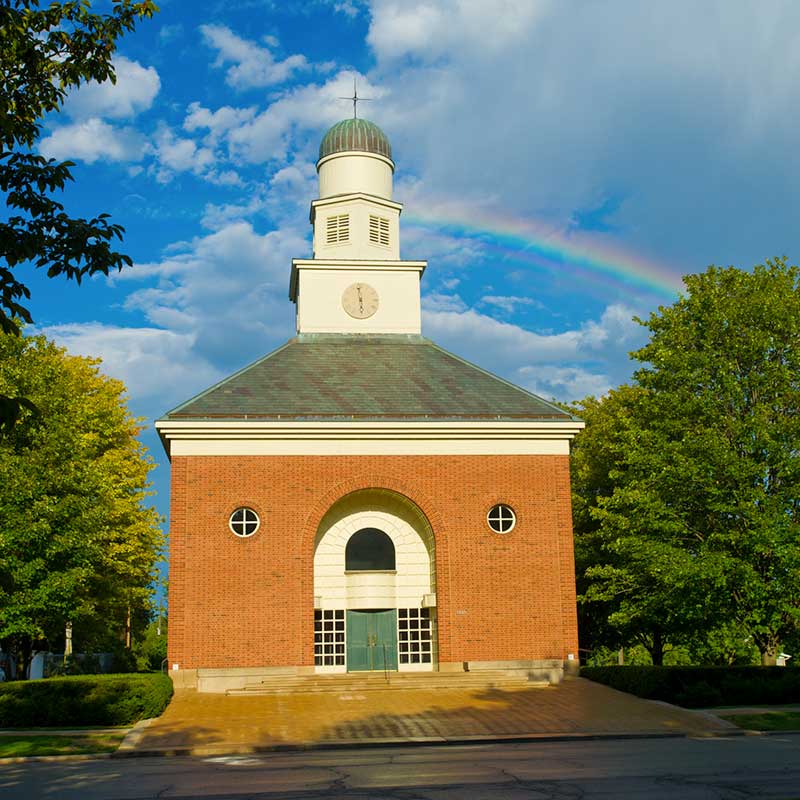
[{"x": 204, "y": 724}]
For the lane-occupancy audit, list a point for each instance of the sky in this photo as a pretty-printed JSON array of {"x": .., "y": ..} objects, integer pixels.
[{"x": 562, "y": 164}]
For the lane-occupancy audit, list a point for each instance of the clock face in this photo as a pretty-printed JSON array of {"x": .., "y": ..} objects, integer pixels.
[{"x": 360, "y": 300}]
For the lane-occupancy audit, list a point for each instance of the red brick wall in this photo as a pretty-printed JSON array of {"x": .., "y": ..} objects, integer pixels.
[{"x": 249, "y": 602}]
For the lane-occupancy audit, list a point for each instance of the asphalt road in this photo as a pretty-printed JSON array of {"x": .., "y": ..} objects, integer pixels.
[{"x": 688, "y": 769}]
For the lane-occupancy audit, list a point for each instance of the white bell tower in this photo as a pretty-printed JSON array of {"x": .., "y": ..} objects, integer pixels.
[{"x": 356, "y": 282}]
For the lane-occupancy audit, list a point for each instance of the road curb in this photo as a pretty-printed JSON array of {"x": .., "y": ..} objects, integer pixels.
[
  {"x": 350, "y": 744},
  {"x": 134, "y": 736},
  {"x": 73, "y": 757},
  {"x": 421, "y": 741}
]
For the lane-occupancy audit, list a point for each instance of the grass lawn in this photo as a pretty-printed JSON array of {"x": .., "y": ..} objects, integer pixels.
[
  {"x": 769, "y": 721},
  {"x": 68, "y": 744}
]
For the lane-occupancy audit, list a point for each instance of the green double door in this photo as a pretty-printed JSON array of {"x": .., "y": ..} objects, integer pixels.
[{"x": 371, "y": 640}]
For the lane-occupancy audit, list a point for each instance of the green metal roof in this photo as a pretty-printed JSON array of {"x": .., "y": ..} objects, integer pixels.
[
  {"x": 355, "y": 134},
  {"x": 340, "y": 376}
]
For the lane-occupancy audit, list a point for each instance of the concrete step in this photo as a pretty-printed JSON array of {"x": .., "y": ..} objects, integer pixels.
[{"x": 376, "y": 681}]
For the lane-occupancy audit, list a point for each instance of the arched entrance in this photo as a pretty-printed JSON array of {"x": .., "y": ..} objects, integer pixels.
[{"x": 374, "y": 585}]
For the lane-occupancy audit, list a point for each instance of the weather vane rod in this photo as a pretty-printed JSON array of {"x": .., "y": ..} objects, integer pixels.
[{"x": 355, "y": 98}]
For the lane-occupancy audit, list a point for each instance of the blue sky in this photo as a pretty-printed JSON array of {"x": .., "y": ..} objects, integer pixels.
[{"x": 562, "y": 164}]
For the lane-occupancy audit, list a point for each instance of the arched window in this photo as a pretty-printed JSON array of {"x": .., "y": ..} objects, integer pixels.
[{"x": 369, "y": 549}]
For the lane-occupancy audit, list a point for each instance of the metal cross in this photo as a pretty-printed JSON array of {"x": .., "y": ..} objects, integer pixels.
[{"x": 355, "y": 98}]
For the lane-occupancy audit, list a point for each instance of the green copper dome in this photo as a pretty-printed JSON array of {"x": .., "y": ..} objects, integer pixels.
[{"x": 355, "y": 134}]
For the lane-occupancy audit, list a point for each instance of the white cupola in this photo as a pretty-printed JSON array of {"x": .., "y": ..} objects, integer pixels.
[
  {"x": 356, "y": 282},
  {"x": 354, "y": 216},
  {"x": 355, "y": 156}
]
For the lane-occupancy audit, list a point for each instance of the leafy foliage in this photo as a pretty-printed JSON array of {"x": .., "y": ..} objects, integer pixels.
[
  {"x": 78, "y": 543},
  {"x": 696, "y": 687},
  {"x": 83, "y": 700},
  {"x": 687, "y": 484},
  {"x": 150, "y": 648},
  {"x": 771, "y": 721},
  {"x": 45, "y": 52}
]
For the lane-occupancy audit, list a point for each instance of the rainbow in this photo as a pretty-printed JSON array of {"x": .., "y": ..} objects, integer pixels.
[{"x": 583, "y": 255}]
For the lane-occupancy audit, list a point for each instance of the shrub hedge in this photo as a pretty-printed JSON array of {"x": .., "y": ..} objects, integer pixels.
[
  {"x": 83, "y": 700},
  {"x": 697, "y": 687}
]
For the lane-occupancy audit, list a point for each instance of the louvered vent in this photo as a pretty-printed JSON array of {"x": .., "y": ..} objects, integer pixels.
[
  {"x": 338, "y": 229},
  {"x": 379, "y": 230}
]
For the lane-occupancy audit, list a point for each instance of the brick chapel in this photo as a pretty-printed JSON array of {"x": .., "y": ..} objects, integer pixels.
[{"x": 361, "y": 499}]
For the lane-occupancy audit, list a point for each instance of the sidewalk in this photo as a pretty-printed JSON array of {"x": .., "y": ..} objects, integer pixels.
[
  {"x": 212, "y": 724},
  {"x": 730, "y": 711}
]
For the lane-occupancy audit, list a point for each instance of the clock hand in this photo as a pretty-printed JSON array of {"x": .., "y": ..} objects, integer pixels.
[{"x": 360, "y": 300}]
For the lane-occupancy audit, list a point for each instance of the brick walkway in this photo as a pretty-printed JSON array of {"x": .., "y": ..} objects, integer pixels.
[{"x": 205, "y": 724}]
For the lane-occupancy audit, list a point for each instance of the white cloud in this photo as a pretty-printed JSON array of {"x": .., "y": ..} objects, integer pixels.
[
  {"x": 228, "y": 290},
  {"x": 218, "y": 122},
  {"x": 93, "y": 140},
  {"x": 153, "y": 363},
  {"x": 288, "y": 129},
  {"x": 672, "y": 109},
  {"x": 294, "y": 177},
  {"x": 168, "y": 33},
  {"x": 509, "y": 303},
  {"x": 134, "y": 92},
  {"x": 348, "y": 8},
  {"x": 284, "y": 126},
  {"x": 426, "y": 30},
  {"x": 438, "y": 301},
  {"x": 252, "y": 65},
  {"x": 563, "y": 383},
  {"x": 588, "y": 358},
  {"x": 225, "y": 177},
  {"x": 175, "y": 154},
  {"x": 285, "y": 200},
  {"x": 216, "y": 216}
]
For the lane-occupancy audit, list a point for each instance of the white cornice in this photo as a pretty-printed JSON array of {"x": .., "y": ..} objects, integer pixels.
[
  {"x": 331, "y": 264},
  {"x": 251, "y": 437},
  {"x": 359, "y": 153},
  {"x": 354, "y": 263},
  {"x": 337, "y": 199}
]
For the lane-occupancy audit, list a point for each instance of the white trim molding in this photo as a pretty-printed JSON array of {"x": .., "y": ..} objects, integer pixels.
[
  {"x": 347, "y": 265},
  {"x": 356, "y": 154},
  {"x": 289, "y": 438},
  {"x": 340, "y": 199}
]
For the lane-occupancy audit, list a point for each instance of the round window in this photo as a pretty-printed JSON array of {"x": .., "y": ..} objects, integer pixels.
[
  {"x": 244, "y": 522},
  {"x": 501, "y": 518}
]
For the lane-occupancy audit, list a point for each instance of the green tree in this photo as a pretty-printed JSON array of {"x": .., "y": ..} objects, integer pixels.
[
  {"x": 44, "y": 53},
  {"x": 78, "y": 543},
  {"x": 150, "y": 648},
  {"x": 631, "y": 577},
  {"x": 702, "y": 522}
]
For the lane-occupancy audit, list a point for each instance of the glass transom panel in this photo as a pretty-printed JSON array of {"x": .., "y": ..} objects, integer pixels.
[{"x": 369, "y": 549}]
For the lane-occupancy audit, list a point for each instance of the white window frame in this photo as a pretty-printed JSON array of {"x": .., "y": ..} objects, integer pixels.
[
  {"x": 330, "y": 640},
  {"x": 240, "y": 530},
  {"x": 504, "y": 513},
  {"x": 418, "y": 626}
]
